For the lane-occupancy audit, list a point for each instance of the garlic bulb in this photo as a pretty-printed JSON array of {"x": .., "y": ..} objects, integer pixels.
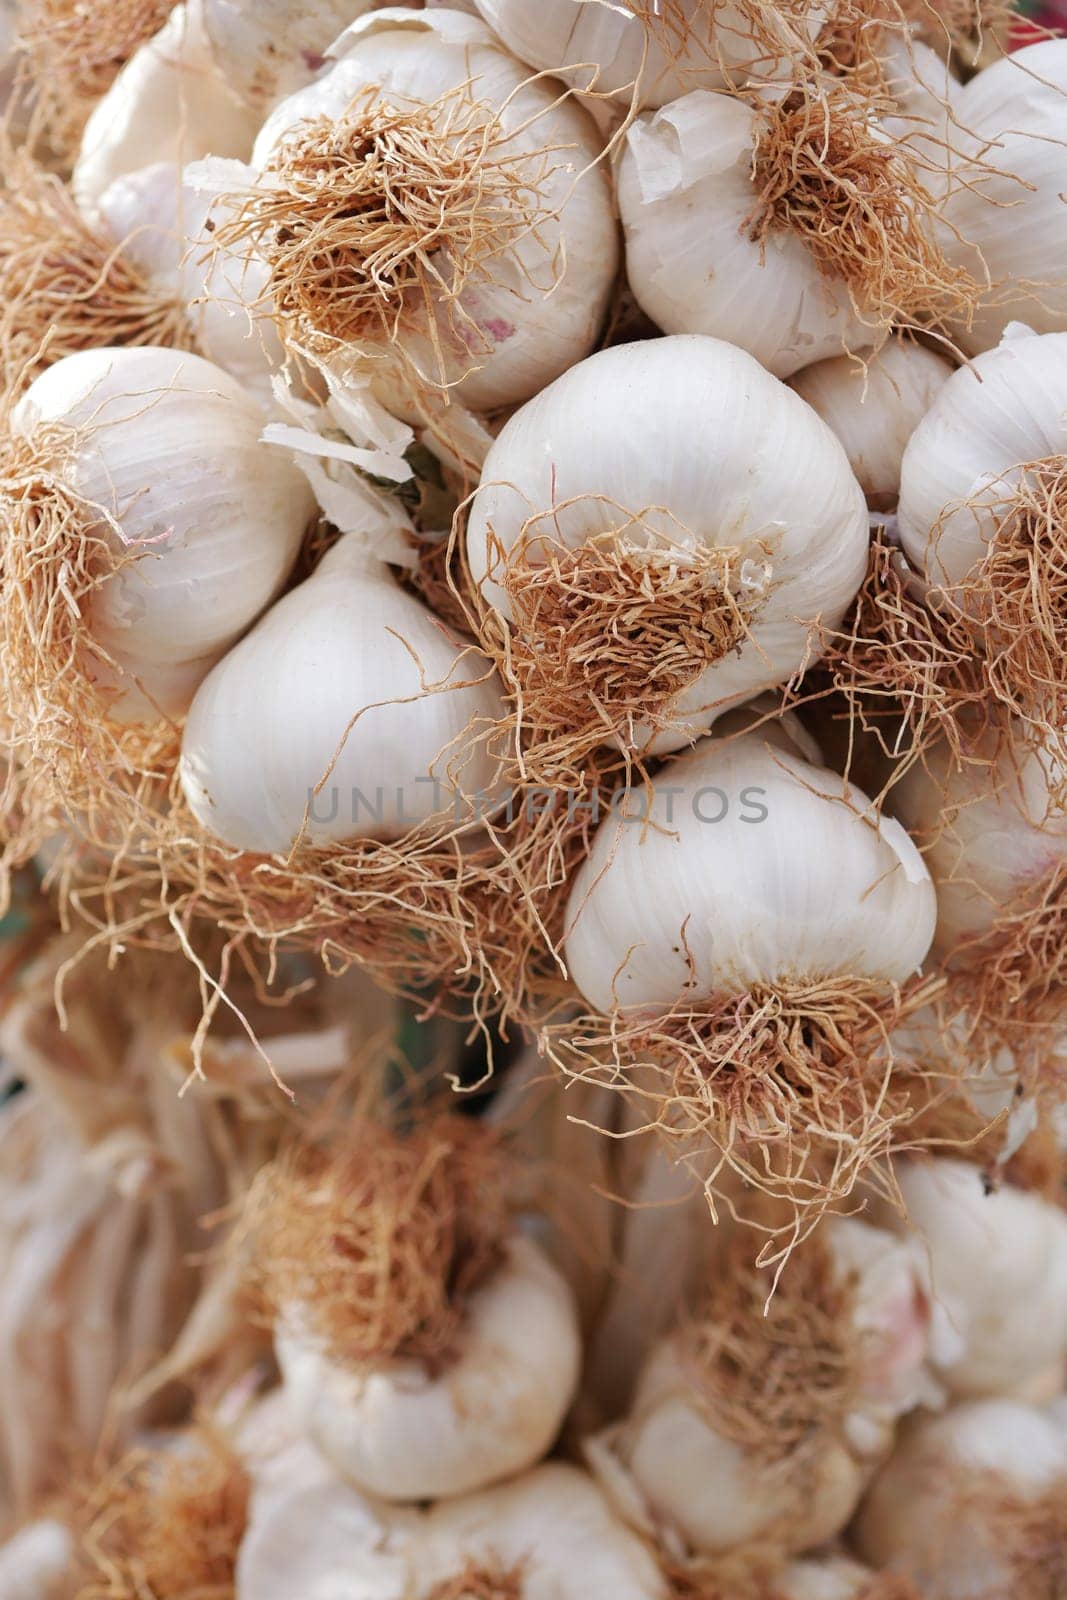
[
  {"x": 37, "y": 1562},
  {"x": 348, "y": 682},
  {"x": 874, "y": 408},
  {"x": 161, "y": 449},
  {"x": 1006, "y": 216},
  {"x": 483, "y": 162},
  {"x": 647, "y": 53},
  {"x": 995, "y": 1268},
  {"x": 669, "y": 468},
  {"x": 830, "y": 1578},
  {"x": 266, "y": 49},
  {"x": 169, "y": 103},
  {"x": 758, "y": 870},
  {"x": 165, "y": 216},
  {"x": 550, "y": 1533},
  {"x": 970, "y": 1505},
  {"x": 761, "y": 1423},
  {"x": 494, "y": 1410}
]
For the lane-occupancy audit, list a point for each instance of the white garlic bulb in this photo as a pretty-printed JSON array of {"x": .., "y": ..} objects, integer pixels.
[
  {"x": 647, "y": 53},
  {"x": 169, "y": 103},
  {"x": 673, "y": 449},
  {"x": 266, "y": 49},
  {"x": 164, "y": 216},
  {"x": 37, "y": 1562},
  {"x": 759, "y": 869},
  {"x": 995, "y": 1268},
  {"x": 970, "y": 1505},
  {"x": 874, "y": 407},
  {"x": 1006, "y": 217},
  {"x": 536, "y": 305},
  {"x": 551, "y": 1532},
  {"x": 829, "y": 1578},
  {"x": 400, "y": 1432},
  {"x": 720, "y": 1490},
  {"x": 166, "y": 447},
  {"x": 347, "y": 666}
]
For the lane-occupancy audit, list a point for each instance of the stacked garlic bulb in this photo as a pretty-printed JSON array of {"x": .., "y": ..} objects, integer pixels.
[
  {"x": 758, "y": 869},
  {"x": 874, "y": 406},
  {"x": 537, "y": 305},
  {"x": 1006, "y": 217},
  {"x": 163, "y": 450},
  {"x": 971, "y": 1504},
  {"x": 689, "y": 1461},
  {"x": 169, "y": 103},
  {"x": 266, "y": 49},
  {"x": 664, "y": 453},
  {"x": 830, "y": 1578},
  {"x": 351, "y": 684}
]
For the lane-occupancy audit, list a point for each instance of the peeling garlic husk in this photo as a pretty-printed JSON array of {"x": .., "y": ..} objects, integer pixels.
[
  {"x": 164, "y": 216},
  {"x": 495, "y": 1409},
  {"x": 954, "y": 1507},
  {"x": 1006, "y": 218},
  {"x": 540, "y": 306},
  {"x": 994, "y": 1266},
  {"x": 797, "y": 880},
  {"x": 167, "y": 446},
  {"x": 169, "y": 103},
  {"x": 597, "y": 47},
  {"x": 874, "y": 406},
  {"x": 678, "y": 1474},
  {"x": 347, "y": 666},
  {"x": 691, "y": 446}
]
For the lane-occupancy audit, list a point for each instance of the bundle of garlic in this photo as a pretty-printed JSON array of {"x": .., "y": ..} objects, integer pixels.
[
  {"x": 427, "y": 1346},
  {"x": 972, "y": 1505},
  {"x": 433, "y": 215},
  {"x": 747, "y": 932},
  {"x": 758, "y": 1422},
  {"x": 640, "y": 554}
]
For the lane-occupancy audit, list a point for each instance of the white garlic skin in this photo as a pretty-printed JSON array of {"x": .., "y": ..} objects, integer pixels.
[
  {"x": 1008, "y": 407},
  {"x": 685, "y": 193},
  {"x": 792, "y": 884},
  {"x": 1009, "y": 225},
  {"x": 874, "y": 408},
  {"x": 36, "y": 1563},
  {"x": 164, "y": 217},
  {"x": 169, "y": 445},
  {"x": 266, "y": 49},
  {"x": 695, "y": 437},
  {"x": 494, "y": 1410},
  {"x": 597, "y": 47},
  {"x": 542, "y": 303},
  {"x": 917, "y": 1520},
  {"x": 829, "y": 1578},
  {"x": 347, "y": 643},
  {"x": 169, "y": 103},
  {"x": 995, "y": 1268},
  {"x": 555, "y": 1526}
]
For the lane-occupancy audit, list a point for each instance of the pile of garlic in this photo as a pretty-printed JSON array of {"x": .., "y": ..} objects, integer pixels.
[{"x": 533, "y": 562}]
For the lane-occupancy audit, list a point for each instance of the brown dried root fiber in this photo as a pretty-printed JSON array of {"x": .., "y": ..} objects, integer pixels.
[
  {"x": 165, "y": 1525},
  {"x": 791, "y": 1089},
  {"x": 76, "y": 49},
  {"x": 63, "y": 287},
  {"x": 824, "y": 171},
  {"x": 477, "y": 1582},
  {"x": 375, "y": 224},
  {"x": 380, "y": 1241}
]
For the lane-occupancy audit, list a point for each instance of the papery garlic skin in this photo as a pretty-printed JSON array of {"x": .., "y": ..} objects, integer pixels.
[
  {"x": 541, "y": 305},
  {"x": 925, "y": 1515},
  {"x": 37, "y": 1562},
  {"x": 1006, "y": 218},
  {"x": 926, "y": 93},
  {"x": 874, "y": 407},
  {"x": 553, "y": 1527},
  {"x": 270, "y": 48},
  {"x": 168, "y": 446},
  {"x": 347, "y": 665},
  {"x": 685, "y": 194},
  {"x": 694, "y": 438},
  {"x": 169, "y": 103},
  {"x": 795, "y": 882},
  {"x": 595, "y": 46},
  {"x": 1008, "y": 407},
  {"x": 164, "y": 217},
  {"x": 995, "y": 1269},
  {"x": 495, "y": 1409}
]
